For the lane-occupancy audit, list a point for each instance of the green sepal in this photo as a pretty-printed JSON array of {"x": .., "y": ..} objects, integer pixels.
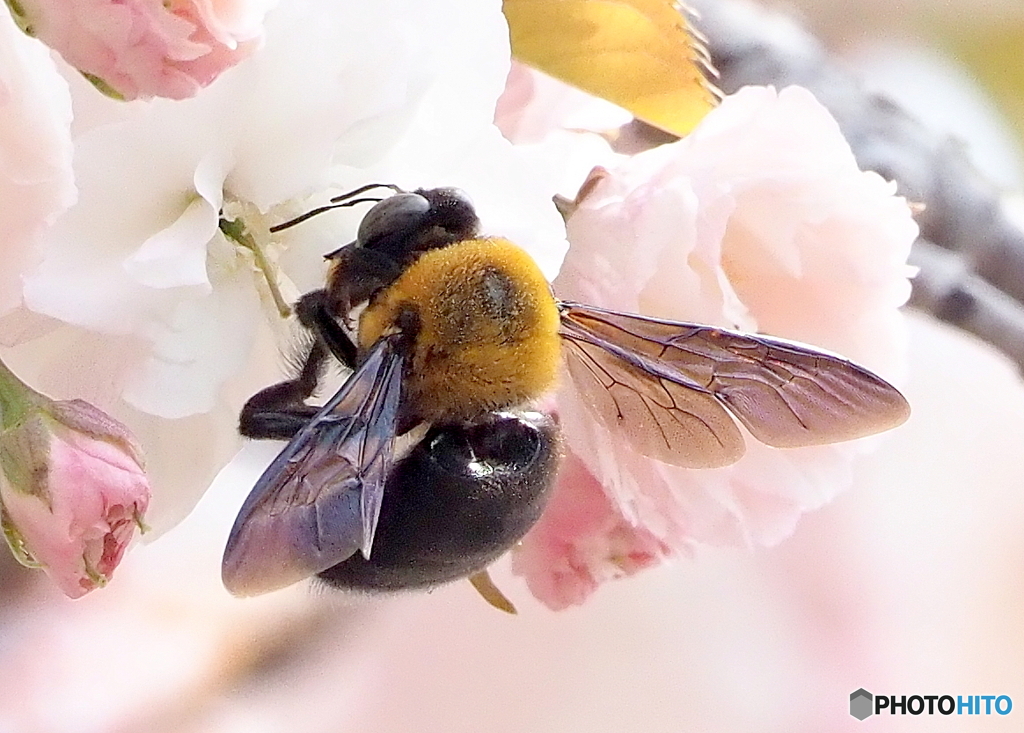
[
  {"x": 17, "y": 399},
  {"x": 140, "y": 523},
  {"x": 102, "y": 87},
  {"x": 85, "y": 418},
  {"x": 21, "y": 18},
  {"x": 24, "y": 457},
  {"x": 17, "y": 544}
]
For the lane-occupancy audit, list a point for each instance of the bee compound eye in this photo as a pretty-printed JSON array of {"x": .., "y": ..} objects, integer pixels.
[
  {"x": 450, "y": 196},
  {"x": 452, "y": 209},
  {"x": 401, "y": 214}
]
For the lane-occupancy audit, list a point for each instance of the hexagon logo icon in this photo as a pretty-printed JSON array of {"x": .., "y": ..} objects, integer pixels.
[{"x": 861, "y": 704}]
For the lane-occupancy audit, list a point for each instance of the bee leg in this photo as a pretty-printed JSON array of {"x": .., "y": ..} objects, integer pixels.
[
  {"x": 356, "y": 274},
  {"x": 484, "y": 585},
  {"x": 280, "y": 410},
  {"x": 312, "y": 312}
]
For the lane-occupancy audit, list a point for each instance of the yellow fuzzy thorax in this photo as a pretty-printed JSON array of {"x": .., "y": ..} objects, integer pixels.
[{"x": 488, "y": 336}]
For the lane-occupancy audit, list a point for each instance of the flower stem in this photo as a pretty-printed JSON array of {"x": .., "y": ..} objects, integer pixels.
[
  {"x": 16, "y": 398},
  {"x": 234, "y": 230}
]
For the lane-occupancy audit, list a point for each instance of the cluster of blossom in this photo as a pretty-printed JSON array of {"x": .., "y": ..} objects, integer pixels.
[{"x": 125, "y": 290}]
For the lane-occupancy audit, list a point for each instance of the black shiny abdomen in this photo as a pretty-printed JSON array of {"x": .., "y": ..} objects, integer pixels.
[{"x": 462, "y": 497}]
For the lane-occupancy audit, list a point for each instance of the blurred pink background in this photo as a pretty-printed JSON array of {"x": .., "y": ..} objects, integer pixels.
[{"x": 910, "y": 583}]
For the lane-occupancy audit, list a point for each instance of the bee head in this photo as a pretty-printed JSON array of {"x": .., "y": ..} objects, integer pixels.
[{"x": 407, "y": 224}]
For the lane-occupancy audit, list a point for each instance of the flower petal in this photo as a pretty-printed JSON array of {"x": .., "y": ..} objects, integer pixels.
[
  {"x": 202, "y": 343},
  {"x": 36, "y": 179},
  {"x": 176, "y": 256},
  {"x": 759, "y": 219}
]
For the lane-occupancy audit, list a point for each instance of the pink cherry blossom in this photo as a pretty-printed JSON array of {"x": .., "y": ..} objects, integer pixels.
[
  {"x": 761, "y": 220},
  {"x": 72, "y": 486},
  {"x": 146, "y": 48}
]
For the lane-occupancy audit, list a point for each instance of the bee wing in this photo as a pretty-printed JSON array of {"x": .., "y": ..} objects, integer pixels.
[
  {"x": 786, "y": 394},
  {"x": 664, "y": 420},
  {"x": 319, "y": 500}
]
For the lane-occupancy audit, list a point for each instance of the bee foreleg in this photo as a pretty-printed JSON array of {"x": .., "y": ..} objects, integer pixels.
[
  {"x": 280, "y": 410},
  {"x": 312, "y": 312},
  {"x": 280, "y": 424}
]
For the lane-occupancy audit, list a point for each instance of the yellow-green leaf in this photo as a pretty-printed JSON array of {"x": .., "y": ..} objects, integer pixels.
[
  {"x": 639, "y": 54},
  {"x": 992, "y": 50}
]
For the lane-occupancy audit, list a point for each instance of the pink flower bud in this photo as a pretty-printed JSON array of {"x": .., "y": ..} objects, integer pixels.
[
  {"x": 72, "y": 487},
  {"x": 144, "y": 48}
]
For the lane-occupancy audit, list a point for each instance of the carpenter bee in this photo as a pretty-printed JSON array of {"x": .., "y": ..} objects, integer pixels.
[{"x": 458, "y": 335}]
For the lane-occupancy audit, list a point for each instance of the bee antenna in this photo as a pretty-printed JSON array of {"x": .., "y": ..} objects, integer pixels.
[
  {"x": 364, "y": 189},
  {"x": 318, "y": 210},
  {"x": 338, "y": 202}
]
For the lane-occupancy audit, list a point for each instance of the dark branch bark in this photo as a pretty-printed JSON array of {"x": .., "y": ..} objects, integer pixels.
[{"x": 971, "y": 252}]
